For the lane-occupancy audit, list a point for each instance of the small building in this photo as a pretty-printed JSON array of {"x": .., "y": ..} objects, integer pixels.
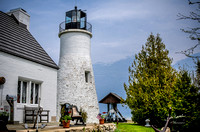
[
  {"x": 29, "y": 71},
  {"x": 112, "y": 100}
]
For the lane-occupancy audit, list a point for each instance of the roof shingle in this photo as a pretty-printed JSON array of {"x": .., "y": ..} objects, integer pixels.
[{"x": 15, "y": 39}]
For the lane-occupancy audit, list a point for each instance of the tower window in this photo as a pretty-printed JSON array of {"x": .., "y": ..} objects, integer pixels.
[{"x": 87, "y": 76}]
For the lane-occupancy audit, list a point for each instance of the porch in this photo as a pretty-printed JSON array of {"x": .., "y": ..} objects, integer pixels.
[{"x": 54, "y": 126}]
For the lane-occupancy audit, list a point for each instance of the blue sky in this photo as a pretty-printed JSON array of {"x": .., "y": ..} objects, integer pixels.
[{"x": 120, "y": 27}]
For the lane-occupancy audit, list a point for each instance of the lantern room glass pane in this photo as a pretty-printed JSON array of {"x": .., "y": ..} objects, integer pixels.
[
  {"x": 68, "y": 18},
  {"x": 82, "y": 25},
  {"x": 74, "y": 16},
  {"x": 78, "y": 16}
]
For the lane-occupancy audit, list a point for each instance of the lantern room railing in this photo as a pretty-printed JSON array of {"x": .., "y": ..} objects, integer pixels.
[{"x": 75, "y": 25}]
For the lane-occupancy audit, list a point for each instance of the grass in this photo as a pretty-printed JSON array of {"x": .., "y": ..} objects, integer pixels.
[{"x": 131, "y": 127}]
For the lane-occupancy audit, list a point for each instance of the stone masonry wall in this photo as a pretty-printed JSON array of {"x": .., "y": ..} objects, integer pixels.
[{"x": 72, "y": 86}]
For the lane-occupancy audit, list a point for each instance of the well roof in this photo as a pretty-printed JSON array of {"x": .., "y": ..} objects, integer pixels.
[{"x": 111, "y": 98}]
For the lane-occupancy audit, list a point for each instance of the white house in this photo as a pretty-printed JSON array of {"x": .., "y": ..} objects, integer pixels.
[{"x": 29, "y": 71}]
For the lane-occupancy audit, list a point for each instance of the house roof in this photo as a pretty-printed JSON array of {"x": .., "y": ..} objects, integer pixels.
[
  {"x": 111, "y": 98},
  {"x": 16, "y": 40}
]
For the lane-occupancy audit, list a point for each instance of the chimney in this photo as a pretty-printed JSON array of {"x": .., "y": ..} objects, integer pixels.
[{"x": 21, "y": 15}]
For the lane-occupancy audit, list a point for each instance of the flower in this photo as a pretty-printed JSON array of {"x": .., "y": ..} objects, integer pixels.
[
  {"x": 103, "y": 115},
  {"x": 99, "y": 116}
]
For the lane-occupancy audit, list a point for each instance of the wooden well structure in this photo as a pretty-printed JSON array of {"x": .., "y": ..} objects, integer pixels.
[{"x": 112, "y": 100}]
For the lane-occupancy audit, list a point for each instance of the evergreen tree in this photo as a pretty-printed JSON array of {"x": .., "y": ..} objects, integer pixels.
[
  {"x": 151, "y": 83},
  {"x": 187, "y": 101},
  {"x": 197, "y": 79}
]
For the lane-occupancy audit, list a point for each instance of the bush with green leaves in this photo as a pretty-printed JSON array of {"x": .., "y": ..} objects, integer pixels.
[
  {"x": 4, "y": 114},
  {"x": 66, "y": 118},
  {"x": 84, "y": 115}
]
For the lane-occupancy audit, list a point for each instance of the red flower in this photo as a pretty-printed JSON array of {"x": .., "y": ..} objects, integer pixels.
[
  {"x": 69, "y": 112},
  {"x": 104, "y": 112}
]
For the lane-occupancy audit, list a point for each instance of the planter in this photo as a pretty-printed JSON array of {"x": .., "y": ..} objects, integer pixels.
[
  {"x": 101, "y": 121},
  {"x": 66, "y": 124}
]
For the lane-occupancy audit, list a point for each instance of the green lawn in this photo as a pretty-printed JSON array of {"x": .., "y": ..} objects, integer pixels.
[{"x": 131, "y": 127}]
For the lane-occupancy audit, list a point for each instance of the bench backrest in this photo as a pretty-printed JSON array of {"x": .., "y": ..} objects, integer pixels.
[{"x": 30, "y": 108}]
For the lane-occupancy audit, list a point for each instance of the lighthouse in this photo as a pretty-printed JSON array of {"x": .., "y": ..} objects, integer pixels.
[{"x": 76, "y": 84}]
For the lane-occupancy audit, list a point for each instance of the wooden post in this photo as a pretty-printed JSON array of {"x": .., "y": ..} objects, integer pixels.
[
  {"x": 108, "y": 105},
  {"x": 115, "y": 107},
  {"x": 38, "y": 112}
]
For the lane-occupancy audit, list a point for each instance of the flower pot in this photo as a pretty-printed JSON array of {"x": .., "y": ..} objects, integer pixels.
[
  {"x": 66, "y": 124},
  {"x": 5, "y": 119},
  {"x": 101, "y": 121}
]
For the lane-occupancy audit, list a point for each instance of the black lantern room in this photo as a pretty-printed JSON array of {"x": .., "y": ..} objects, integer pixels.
[{"x": 75, "y": 19}]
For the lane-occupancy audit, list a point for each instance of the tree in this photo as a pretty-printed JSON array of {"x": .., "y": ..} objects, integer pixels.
[
  {"x": 151, "y": 83},
  {"x": 192, "y": 96},
  {"x": 197, "y": 79},
  {"x": 187, "y": 101},
  {"x": 194, "y": 32}
]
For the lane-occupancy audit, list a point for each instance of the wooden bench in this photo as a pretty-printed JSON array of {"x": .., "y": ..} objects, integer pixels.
[{"x": 30, "y": 114}]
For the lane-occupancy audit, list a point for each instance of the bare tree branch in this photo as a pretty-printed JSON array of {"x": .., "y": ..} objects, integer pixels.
[
  {"x": 194, "y": 32},
  {"x": 193, "y": 2}
]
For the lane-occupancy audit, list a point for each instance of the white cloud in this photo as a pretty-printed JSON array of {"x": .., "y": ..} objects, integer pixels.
[
  {"x": 125, "y": 26},
  {"x": 117, "y": 10}
]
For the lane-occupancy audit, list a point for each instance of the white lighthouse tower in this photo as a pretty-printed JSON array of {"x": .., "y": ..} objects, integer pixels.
[{"x": 76, "y": 83}]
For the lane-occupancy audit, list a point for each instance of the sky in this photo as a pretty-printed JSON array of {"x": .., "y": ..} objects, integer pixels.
[{"x": 120, "y": 27}]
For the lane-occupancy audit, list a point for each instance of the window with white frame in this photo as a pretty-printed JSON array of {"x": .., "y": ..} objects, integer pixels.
[{"x": 28, "y": 92}]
